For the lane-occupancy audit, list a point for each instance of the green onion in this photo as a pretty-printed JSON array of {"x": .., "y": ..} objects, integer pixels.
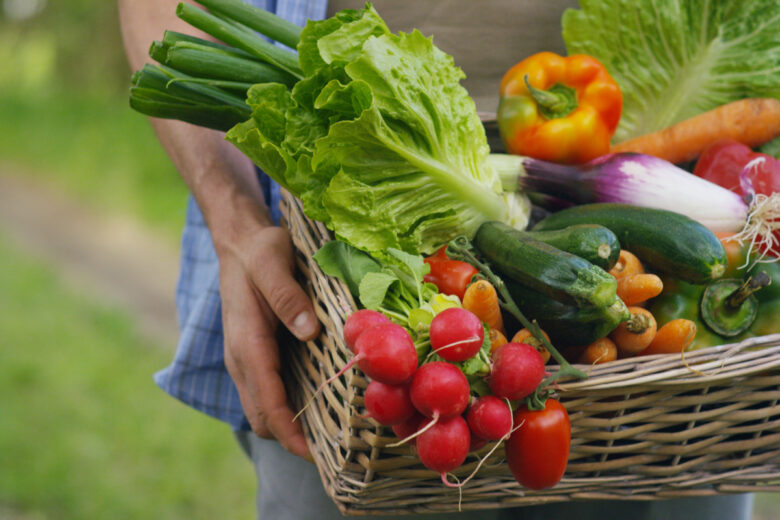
[
  {"x": 241, "y": 37},
  {"x": 208, "y": 62},
  {"x": 265, "y": 23},
  {"x": 157, "y": 104}
]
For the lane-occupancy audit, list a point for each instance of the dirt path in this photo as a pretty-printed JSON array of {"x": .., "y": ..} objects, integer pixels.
[{"x": 112, "y": 258}]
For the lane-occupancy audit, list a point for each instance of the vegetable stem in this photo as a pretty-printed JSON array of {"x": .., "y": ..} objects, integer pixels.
[
  {"x": 241, "y": 37},
  {"x": 461, "y": 249},
  {"x": 262, "y": 21},
  {"x": 737, "y": 298}
]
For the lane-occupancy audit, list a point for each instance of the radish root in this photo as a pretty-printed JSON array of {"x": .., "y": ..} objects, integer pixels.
[
  {"x": 762, "y": 221},
  {"x": 512, "y": 429},
  {"x": 326, "y": 383},
  {"x": 418, "y": 432}
]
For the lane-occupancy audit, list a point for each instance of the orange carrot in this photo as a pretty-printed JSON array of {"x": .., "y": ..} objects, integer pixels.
[
  {"x": 752, "y": 121},
  {"x": 497, "y": 339},
  {"x": 635, "y": 335},
  {"x": 638, "y": 288},
  {"x": 525, "y": 336},
  {"x": 481, "y": 299},
  {"x": 736, "y": 254},
  {"x": 600, "y": 351},
  {"x": 672, "y": 338},
  {"x": 627, "y": 265}
]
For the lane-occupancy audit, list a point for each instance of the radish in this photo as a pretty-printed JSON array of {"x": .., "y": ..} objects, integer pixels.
[
  {"x": 444, "y": 446},
  {"x": 359, "y": 321},
  {"x": 439, "y": 390},
  {"x": 489, "y": 418},
  {"x": 476, "y": 443},
  {"x": 517, "y": 370},
  {"x": 388, "y": 404},
  {"x": 408, "y": 427},
  {"x": 456, "y": 334},
  {"x": 386, "y": 353}
]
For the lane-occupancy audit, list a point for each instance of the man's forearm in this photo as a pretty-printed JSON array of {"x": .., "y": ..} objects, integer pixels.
[{"x": 220, "y": 177}]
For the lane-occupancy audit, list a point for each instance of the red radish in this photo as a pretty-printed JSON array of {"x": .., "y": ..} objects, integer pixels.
[
  {"x": 439, "y": 390},
  {"x": 444, "y": 446},
  {"x": 388, "y": 404},
  {"x": 359, "y": 321},
  {"x": 517, "y": 370},
  {"x": 408, "y": 427},
  {"x": 476, "y": 443},
  {"x": 386, "y": 353},
  {"x": 456, "y": 334},
  {"x": 489, "y": 417}
]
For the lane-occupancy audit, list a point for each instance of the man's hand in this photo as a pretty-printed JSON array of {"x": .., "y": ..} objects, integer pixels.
[
  {"x": 257, "y": 287},
  {"x": 256, "y": 258}
]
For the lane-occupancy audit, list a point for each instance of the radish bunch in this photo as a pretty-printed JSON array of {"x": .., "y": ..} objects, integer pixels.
[{"x": 433, "y": 405}]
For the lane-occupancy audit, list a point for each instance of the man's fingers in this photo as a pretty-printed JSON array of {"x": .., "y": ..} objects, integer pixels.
[
  {"x": 275, "y": 280},
  {"x": 266, "y": 390}
]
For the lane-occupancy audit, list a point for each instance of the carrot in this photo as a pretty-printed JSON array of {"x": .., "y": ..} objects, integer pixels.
[
  {"x": 600, "y": 351},
  {"x": 736, "y": 254},
  {"x": 497, "y": 339},
  {"x": 525, "y": 336},
  {"x": 481, "y": 299},
  {"x": 626, "y": 265},
  {"x": 672, "y": 338},
  {"x": 635, "y": 335},
  {"x": 638, "y": 288},
  {"x": 752, "y": 121}
]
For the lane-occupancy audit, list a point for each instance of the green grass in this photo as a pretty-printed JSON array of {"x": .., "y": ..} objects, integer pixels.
[
  {"x": 84, "y": 432},
  {"x": 92, "y": 145}
]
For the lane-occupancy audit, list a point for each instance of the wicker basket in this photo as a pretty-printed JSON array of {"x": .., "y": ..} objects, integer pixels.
[{"x": 642, "y": 429}]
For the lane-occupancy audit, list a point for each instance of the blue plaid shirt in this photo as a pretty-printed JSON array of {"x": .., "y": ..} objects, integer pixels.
[{"x": 197, "y": 376}]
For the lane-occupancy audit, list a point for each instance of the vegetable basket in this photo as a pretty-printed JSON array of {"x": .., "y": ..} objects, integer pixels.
[{"x": 655, "y": 427}]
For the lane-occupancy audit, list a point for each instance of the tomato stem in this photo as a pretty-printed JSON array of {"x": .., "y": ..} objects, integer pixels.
[{"x": 462, "y": 249}]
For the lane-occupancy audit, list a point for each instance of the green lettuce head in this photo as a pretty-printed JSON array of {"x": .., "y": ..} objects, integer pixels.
[{"x": 380, "y": 140}]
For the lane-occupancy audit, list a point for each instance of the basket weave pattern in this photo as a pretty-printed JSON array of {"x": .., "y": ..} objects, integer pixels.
[{"x": 644, "y": 428}]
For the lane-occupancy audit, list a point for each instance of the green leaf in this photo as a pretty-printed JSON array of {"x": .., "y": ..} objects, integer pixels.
[
  {"x": 346, "y": 263},
  {"x": 414, "y": 264},
  {"x": 674, "y": 59},
  {"x": 374, "y": 288}
]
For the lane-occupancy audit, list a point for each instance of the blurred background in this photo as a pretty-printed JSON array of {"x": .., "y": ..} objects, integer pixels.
[{"x": 90, "y": 212}]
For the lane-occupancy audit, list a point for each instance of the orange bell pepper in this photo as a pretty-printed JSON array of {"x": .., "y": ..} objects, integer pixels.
[{"x": 559, "y": 109}]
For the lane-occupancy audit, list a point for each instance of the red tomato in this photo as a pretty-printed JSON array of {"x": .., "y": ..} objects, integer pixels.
[
  {"x": 724, "y": 160},
  {"x": 450, "y": 276},
  {"x": 538, "y": 451}
]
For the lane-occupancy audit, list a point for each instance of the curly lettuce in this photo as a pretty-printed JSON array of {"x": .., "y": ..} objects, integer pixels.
[
  {"x": 380, "y": 140},
  {"x": 674, "y": 59}
]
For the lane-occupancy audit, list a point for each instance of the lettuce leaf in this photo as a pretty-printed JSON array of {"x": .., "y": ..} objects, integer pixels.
[
  {"x": 380, "y": 140},
  {"x": 674, "y": 59}
]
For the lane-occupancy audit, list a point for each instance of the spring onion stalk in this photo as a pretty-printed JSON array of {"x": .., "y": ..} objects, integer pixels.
[
  {"x": 163, "y": 92},
  {"x": 241, "y": 37},
  {"x": 640, "y": 180},
  {"x": 647, "y": 181},
  {"x": 207, "y": 62},
  {"x": 264, "y": 22},
  {"x": 171, "y": 38}
]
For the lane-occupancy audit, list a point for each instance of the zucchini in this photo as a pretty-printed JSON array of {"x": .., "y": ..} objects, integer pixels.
[
  {"x": 664, "y": 240},
  {"x": 558, "y": 274},
  {"x": 566, "y": 324},
  {"x": 596, "y": 244}
]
